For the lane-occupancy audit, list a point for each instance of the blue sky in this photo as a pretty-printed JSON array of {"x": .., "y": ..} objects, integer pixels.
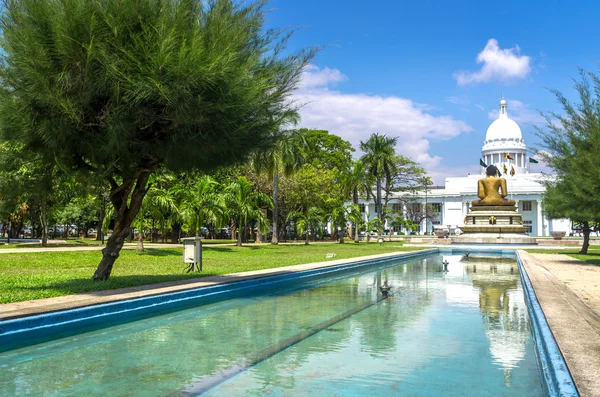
[{"x": 411, "y": 69}]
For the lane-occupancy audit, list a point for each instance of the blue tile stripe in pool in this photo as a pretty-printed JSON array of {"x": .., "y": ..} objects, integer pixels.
[
  {"x": 39, "y": 328},
  {"x": 557, "y": 378}
]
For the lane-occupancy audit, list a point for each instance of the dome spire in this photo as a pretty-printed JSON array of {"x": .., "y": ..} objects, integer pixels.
[{"x": 502, "y": 113}]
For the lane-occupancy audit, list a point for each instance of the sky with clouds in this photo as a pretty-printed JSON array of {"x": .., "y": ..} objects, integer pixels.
[{"x": 432, "y": 72}]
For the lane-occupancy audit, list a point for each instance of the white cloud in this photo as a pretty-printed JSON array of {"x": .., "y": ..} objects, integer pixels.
[
  {"x": 521, "y": 113},
  {"x": 498, "y": 64},
  {"x": 355, "y": 117},
  {"x": 313, "y": 77}
]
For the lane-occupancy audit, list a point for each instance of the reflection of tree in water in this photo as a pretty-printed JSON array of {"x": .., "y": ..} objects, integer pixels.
[
  {"x": 504, "y": 311},
  {"x": 379, "y": 324}
]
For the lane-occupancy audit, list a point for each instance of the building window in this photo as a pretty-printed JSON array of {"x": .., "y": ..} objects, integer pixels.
[
  {"x": 437, "y": 207},
  {"x": 362, "y": 208},
  {"x": 436, "y": 222},
  {"x": 528, "y": 226},
  {"x": 526, "y": 205},
  {"x": 397, "y": 207}
]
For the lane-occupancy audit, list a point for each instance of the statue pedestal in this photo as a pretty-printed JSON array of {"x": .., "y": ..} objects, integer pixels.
[{"x": 493, "y": 224}]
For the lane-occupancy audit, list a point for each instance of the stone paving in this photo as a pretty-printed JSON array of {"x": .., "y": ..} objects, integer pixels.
[{"x": 569, "y": 293}]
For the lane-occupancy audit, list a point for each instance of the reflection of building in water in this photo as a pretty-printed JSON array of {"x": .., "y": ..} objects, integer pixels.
[{"x": 504, "y": 312}]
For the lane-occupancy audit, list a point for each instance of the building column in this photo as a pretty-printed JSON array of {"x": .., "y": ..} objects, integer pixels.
[
  {"x": 366, "y": 216},
  {"x": 540, "y": 219}
]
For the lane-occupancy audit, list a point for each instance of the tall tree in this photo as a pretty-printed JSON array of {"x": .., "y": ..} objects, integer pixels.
[
  {"x": 356, "y": 182},
  {"x": 326, "y": 150},
  {"x": 307, "y": 221},
  {"x": 243, "y": 204},
  {"x": 380, "y": 160},
  {"x": 284, "y": 157},
  {"x": 572, "y": 148},
  {"x": 122, "y": 88},
  {"x": 201, "y": 204}
]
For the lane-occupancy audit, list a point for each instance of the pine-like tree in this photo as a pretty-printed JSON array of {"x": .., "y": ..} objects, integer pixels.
[{"x": 121, "y": 88}]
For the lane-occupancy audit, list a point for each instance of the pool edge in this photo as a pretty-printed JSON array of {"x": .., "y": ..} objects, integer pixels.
[{"x": 558, "y": 380}]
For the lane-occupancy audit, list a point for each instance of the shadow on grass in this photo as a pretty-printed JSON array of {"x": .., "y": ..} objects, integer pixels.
[
  {"x": 230, "y": 248},
  {"x": 159, "y": 252},
  {"x": 144, "y": 282},
  {"x": 102, "y": 288}
]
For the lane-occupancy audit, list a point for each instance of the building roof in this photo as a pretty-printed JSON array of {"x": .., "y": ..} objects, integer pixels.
[{"x": 503, "y": 133}]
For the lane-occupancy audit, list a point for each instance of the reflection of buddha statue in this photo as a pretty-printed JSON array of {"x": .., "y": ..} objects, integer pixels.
[{"x": 487, "y": 189}]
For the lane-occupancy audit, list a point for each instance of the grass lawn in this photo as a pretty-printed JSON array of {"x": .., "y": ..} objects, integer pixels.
[
  {"x": 592, "y": 257},
  {"x": 28, "y": 276}
]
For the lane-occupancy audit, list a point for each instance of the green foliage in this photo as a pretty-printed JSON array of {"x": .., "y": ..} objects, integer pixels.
[
  {"x": 113, "y": 84},
  {"x": 123, "y": 88},
  {"x": 380, "y": 162},
  {"x": 380, "y": 155},
  {"x": 311, "y": 220},
  {"x": 325, "y": 150},
  {"x": 572, "y": 148},
  {"x": 311, "y": 187},
  {"x": 244, "y": 204}
]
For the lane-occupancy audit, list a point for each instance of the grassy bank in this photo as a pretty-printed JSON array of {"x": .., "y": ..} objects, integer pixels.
[
  {"x": 592, "y": 257},
  {"x": 28, "y": 276}
]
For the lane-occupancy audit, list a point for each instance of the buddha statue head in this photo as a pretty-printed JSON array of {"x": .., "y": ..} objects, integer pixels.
[{"x": 491, "y": 170}]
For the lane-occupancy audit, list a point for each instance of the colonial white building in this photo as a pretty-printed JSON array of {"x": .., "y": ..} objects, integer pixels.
[{"x": 452, "y": 201}]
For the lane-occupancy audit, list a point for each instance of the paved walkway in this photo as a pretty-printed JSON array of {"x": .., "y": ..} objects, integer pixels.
[{"x": 569, "y": 293}]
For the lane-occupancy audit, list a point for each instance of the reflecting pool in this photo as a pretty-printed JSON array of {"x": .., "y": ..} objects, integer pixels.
[{"x": 460, "y": 332}]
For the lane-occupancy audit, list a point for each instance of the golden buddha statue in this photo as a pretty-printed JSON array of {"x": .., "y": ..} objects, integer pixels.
[{"x": 487, "y": 189}]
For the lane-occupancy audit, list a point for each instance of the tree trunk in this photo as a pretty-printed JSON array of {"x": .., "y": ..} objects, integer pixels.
[
  {"x": 586, "y": 238},
  {"x": 101, "y": 216},
  {"x": 342, "y": 232},
  {"x": 275, "y": 238},
  {"x": 306, "y": 241},
  {"x": 378, "y": 206},
  {"x": 44, "y": 221},
  {"x": 175, "y": 232},
  {"x": 126, "y": 208},
  {"x": 239, "y": 230},
  {"x": 140, "y": 241},
  {"x": 258, "y": 233}
]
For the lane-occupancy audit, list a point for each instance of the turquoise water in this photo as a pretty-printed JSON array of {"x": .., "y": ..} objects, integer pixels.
[{"x": 457, "y": 333}]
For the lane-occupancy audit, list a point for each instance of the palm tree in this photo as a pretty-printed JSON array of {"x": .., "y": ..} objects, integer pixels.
[
  {"x": 371, "y": 224},
  {"x": 285, "y": 156},
  {"x": 160, "y": 203},
  {"x": 243, "y": 204},
  {"x": 201, "y": 204},
  {"x": 356, "y": 181},
  {"x": 339, "y": 215},
  {"x": 356, "y": 218},
  {"x": 305, "y": 221},
  {"x": 379, "y": 159}
]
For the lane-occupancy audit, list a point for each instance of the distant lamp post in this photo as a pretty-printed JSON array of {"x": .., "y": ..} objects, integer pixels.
[{"x": 426, "y": 181}]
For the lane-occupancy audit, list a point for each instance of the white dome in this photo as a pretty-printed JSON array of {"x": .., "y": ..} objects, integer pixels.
[
  {"x": 503, "y": 133},
  {"x": 503, "y": 128}
]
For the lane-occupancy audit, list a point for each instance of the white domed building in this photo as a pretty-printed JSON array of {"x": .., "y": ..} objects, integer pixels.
[{"x": 505, "y": 148}]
